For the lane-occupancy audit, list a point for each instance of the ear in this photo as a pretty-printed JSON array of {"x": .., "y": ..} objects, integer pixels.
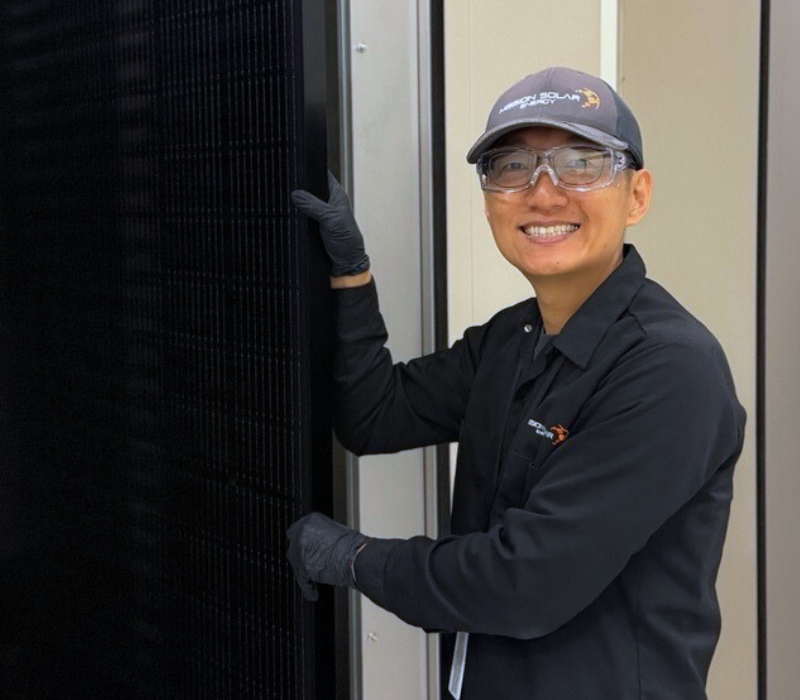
[{"x": 641, "y": 190}]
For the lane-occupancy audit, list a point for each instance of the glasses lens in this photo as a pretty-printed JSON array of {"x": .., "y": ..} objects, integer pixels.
[
  {"x": 583, "y": 166},
  {"x": 510, "y": 169}
]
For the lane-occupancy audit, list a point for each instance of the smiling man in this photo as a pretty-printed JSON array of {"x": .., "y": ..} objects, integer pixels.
[
  {"x": 597, "y": 421},
  {"x": 565, "y": 241}
]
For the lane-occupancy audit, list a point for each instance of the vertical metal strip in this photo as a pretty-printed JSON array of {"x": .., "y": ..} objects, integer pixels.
[
  {"x": 761, "y": 280},
  {"x": 345, "y": 97},
  {"x": 426, "y": 227},
  {"x": 609, "y": 41},
  {"x": 351, "y": 461},
  {"x": 427, "y": 284}
]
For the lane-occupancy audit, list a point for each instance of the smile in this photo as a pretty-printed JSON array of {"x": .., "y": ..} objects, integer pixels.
[{"x": 549, "y": 234}]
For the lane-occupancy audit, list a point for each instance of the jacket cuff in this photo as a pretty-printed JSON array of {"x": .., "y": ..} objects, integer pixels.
[
  {"x": 353, "y": 305},
  {"x": 370, "y": 567}
]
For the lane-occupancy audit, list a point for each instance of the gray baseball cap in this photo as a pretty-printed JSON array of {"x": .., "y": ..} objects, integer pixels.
[{"x": 567, "y": 99}]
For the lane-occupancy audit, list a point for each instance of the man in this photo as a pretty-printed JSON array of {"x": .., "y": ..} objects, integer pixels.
[{"x": 598, "y": 429}]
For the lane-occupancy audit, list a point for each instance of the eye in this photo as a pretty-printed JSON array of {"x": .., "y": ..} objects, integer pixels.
[
  {"x": 576, "y": 163},
  {"x": 510, "y": 168},
  {"x": 509, "y": 161},
  {"x": 581, "y": 165}
]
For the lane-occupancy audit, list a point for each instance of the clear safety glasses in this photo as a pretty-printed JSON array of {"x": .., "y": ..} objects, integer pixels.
[{"x": 577, "y": 167}]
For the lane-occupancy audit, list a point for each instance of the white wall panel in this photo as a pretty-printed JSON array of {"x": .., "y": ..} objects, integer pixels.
[{"x": 386, "y": 186}]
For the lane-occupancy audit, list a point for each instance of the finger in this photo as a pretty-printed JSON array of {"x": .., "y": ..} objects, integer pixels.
[
  {"x": 306, "y": 201},
  {"x": 311, "y": 593},
  {"x": 338, "y": 194},
  {"x": 296, "y": 525},
  {"x": 307, "y": 586},
  {"x": 305, "y": 583}
]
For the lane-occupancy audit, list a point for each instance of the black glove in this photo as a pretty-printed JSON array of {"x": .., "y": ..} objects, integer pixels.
[
  {"x": 320, "y": 549},
  {"x": 340, "y": 235}
]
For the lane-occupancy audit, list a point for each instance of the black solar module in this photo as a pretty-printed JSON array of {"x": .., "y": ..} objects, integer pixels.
[{"x": 160, "y": 398}]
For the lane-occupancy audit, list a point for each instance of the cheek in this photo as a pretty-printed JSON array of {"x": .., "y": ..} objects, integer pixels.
[
  {"x": 606, "y": 218},
  {"x": 500, "y": 214}
]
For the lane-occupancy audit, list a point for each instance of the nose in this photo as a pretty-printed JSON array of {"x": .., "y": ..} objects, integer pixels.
[{"x": 544, "y": 190}]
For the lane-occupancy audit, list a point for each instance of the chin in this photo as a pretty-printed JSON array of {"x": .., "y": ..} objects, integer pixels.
[{"x": 542, "y": 271}]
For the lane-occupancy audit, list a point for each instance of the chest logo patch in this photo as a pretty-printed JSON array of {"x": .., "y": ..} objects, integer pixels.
[{"x": 557, "y": 433}]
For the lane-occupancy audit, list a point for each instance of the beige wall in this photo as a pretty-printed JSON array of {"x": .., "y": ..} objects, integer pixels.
[
  {"x": 489, "y": 45},
  {"x": 675, "y": 59},
  {"x": 689, "y": 71}
]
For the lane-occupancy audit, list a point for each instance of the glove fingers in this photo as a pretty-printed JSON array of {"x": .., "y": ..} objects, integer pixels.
[
  {"x": 308, "y": 587},
  {"x": 311, "y": 593},
  {"x": 338, "y": 194},
  {"x": 308, "y": 204}
]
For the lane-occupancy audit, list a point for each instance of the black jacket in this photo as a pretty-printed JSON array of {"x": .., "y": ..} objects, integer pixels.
[{"x": 583, "y": 560}]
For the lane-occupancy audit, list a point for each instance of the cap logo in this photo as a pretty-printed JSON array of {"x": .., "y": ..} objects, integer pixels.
[
  {"x": 585, "y": 95},
  {"x": 592, "y": 99}
]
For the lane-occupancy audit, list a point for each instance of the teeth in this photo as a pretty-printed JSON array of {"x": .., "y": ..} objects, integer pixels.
[{"x": 550, "y": 230}]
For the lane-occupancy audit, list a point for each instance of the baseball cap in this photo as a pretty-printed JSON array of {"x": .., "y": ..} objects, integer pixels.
[{"x": 567, "y": 99}]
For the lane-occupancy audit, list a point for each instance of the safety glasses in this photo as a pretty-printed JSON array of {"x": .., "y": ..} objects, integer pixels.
[{"x": 576, "y": 167}]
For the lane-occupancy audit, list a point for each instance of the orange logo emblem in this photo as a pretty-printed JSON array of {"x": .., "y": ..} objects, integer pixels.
[
  {"x": 560, "y": 433},
  {"x": 592, "y": 98}
]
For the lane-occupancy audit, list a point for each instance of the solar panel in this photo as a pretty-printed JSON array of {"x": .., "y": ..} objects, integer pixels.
[{"x": 159, "y": 423}]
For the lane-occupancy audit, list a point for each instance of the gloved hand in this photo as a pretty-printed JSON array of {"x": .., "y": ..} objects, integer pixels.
[
  {"x": 340, "y": 235},
  {"x": 322, "y": 550}
]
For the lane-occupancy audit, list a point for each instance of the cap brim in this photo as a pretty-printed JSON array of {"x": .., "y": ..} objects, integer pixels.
[{"x": 488, "y": 138}]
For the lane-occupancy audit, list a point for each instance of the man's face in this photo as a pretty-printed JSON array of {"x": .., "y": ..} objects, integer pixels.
[{"x": 595, "y": 248}]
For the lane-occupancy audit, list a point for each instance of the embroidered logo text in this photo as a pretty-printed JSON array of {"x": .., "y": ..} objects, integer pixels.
[{"x": 557, "y": 433}]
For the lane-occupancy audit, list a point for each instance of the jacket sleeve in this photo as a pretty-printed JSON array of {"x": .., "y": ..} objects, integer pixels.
[
  {"x": 381, "y": 407},
  {"x": 656, "y": 429}
]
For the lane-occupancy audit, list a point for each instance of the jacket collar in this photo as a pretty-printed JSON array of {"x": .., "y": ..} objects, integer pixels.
[{"x": 583, "y": 330}]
